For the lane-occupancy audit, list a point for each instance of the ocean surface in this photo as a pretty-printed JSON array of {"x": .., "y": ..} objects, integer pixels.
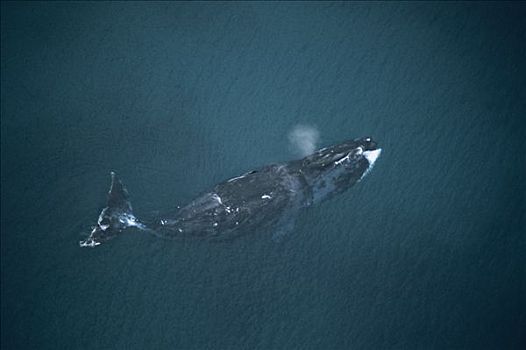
[{"x": 427, "y": 252}]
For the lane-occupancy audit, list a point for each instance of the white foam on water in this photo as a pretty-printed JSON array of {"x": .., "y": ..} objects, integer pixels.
[{"x": 89, "y": 243}]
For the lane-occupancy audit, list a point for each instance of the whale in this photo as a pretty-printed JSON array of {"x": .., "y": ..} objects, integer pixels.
[{"x": 267, "y": 198}]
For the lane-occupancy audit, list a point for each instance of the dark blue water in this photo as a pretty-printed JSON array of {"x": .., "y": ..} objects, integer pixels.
[{"x": 426, "y": 253}]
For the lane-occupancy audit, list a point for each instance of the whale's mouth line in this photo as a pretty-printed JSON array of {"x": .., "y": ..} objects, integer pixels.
[{"x": 344, "y": 157}]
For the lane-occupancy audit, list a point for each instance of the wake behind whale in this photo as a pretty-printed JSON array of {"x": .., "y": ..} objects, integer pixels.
[{"x": 270, "y": 196}]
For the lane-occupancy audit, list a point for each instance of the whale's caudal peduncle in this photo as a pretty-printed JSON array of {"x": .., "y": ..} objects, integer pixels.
[{"x": 260, "y": 198}]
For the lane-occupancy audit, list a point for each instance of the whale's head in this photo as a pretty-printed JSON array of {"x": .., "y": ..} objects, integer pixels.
[{"x": 334, "y": 169}]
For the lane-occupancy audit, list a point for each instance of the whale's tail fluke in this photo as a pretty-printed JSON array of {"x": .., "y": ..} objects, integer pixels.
[
  {"x": 118, "y": 197},
  {"x": 113, "y": 219}
]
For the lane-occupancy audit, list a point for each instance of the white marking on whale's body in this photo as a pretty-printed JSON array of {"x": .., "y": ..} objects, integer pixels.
[
  {"x": 217, "y": 198},
  {"x": 236, "y": 178},
  {"x": 371, "y": 157}
]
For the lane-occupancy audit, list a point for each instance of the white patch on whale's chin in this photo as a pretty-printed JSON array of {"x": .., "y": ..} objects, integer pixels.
[{"x": 371, "y": 157}]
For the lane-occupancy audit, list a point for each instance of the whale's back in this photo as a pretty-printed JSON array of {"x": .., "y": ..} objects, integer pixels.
[{"x": 239, "y": 205}]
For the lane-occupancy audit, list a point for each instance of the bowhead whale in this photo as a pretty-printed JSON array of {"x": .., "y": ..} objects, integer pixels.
[{"x": 270, "y": 195}]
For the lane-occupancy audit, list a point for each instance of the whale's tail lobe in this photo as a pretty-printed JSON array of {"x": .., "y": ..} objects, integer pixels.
[
  {"x": 113, "y": 219},
  {"x": 118, "y": 197}
]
